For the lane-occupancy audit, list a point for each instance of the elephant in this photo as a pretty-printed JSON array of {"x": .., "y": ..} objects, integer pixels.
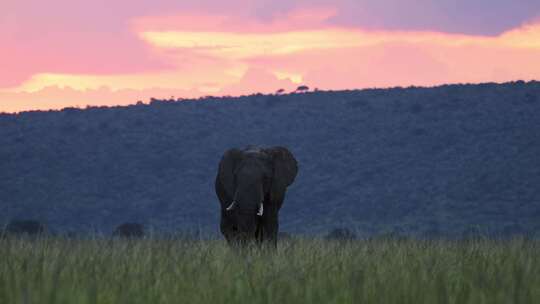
[{"x": 251, "y": 185}]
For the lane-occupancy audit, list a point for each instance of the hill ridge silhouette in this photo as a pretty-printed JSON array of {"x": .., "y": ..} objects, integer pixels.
[{"x": 414, "y": 161}]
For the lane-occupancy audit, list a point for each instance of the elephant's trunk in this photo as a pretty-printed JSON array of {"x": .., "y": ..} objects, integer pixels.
[{"x": 234, "y": 203}]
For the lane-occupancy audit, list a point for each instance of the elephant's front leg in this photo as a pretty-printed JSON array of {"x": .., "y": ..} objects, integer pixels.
[
  {"x": 259, "y": 232},
  {"x": 226, "y": 227},
  {"x": 270, "y": 228}
]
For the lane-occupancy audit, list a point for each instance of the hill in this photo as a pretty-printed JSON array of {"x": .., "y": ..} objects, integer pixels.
[{"x": 417, "y": 161}]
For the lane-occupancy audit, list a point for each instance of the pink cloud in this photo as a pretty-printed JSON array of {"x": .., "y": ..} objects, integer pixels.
[
  {"x": 38, "y": 37},
  {"x": 63, "y": 54},
  {"x": 300, "y": 19}
]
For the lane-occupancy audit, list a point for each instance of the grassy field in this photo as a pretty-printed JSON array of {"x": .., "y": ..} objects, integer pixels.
[{"x": 57, "y": 270}]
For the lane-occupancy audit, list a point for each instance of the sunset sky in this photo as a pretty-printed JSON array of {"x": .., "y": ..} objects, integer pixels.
[{"x": 62, "y": 53}]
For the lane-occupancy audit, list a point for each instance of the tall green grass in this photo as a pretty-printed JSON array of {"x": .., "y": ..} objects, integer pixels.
[{"x": 55, "y": 270}]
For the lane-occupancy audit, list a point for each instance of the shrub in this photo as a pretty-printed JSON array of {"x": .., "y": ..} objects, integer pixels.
[
  {"x": 24, "y": 227},
  {"x": 130, "y": 230},
  {"x": 341, "y": 234}
]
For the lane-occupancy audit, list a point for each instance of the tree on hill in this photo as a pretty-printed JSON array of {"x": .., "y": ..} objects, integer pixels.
[
  {"x": 302, "y": 88},
  {"x": 280, "y": 91}
]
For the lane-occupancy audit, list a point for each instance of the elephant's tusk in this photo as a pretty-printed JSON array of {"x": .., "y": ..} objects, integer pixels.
[
  {"x": 261, "y": 210},
  {"x": 231, "y": 206}
]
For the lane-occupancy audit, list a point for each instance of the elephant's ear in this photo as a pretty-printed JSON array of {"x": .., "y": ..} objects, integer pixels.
[
  {"x": 227, "y": 165},
  {"x": 285, "y": 166}
]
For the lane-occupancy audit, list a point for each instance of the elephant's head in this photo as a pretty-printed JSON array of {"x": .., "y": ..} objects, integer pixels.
[{"x": 250, "y": 181}]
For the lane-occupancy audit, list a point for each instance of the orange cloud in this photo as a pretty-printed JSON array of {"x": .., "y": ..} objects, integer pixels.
[
  {"x": 57, "y": 98},
  {"x": 242, "y": 45},
  {"x": 527, "y": 37},
  {"x": 219, "y": 76},
  {"x": 238, "y": 45}
]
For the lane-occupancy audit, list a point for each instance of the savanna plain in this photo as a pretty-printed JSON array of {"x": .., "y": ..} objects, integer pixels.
[{"x": 301, "y": 270}]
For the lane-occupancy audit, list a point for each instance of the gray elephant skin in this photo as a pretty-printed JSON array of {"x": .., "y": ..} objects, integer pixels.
[{"x": 251, "y": 184}]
